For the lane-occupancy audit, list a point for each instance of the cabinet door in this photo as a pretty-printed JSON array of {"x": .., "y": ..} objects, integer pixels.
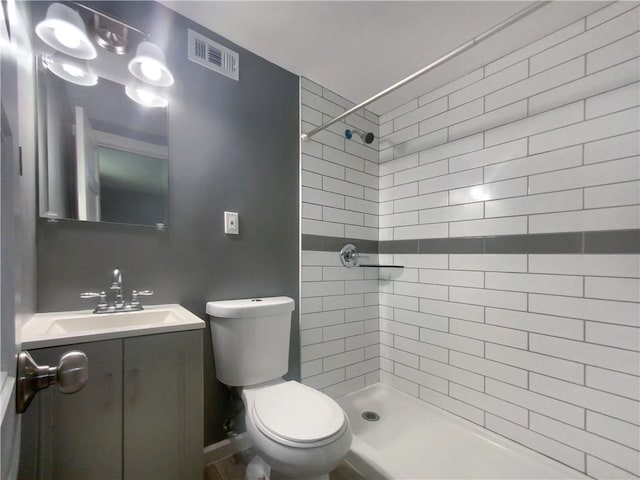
[
  {"x": 80, "y": 435},
  {"x": 163, "y": 406}
]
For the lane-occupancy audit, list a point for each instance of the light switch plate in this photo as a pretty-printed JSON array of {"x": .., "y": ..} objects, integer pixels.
[{"x": 231, "y": 226}]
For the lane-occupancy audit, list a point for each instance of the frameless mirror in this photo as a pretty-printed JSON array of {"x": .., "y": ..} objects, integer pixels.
[{"x": 102, "y": 157}]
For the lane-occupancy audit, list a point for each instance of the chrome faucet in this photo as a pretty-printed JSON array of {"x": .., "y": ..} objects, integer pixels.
[
  {"x": 116, "y": 285},
  {"x": 119, "y": 304}
]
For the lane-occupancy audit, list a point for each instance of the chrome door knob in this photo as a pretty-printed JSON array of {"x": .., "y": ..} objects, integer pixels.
[
  {"x": 71, "y": 375},
  {"x": 72, "y": 372}
]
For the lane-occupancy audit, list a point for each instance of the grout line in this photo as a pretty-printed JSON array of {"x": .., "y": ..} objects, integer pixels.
[
  {"x": 555, "y": 107},
  {"x": 607, "y": 20}
]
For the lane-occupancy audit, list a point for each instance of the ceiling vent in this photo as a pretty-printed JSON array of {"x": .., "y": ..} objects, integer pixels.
[{"x": 206, "y": 52}]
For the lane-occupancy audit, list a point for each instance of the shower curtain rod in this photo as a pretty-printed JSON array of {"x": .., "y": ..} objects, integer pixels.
[{"x": 454, "y": 53}]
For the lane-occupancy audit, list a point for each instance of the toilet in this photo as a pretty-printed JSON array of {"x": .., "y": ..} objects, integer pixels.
[{"x": 297, "y": 431}]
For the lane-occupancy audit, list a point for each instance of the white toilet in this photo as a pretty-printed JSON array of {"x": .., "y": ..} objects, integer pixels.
[{"x": 296, "y": 430}]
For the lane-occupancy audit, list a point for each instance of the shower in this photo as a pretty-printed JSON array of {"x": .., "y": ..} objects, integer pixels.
[{"x": 367, "y": 137}]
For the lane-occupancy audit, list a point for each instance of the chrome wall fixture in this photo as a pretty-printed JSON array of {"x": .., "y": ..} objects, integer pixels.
[
  {"x": 350, "y": 257},
  {"x": 65, "y": 31}
]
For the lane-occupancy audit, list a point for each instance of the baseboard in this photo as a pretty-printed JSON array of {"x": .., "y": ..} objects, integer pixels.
[{"x": 225, "y": 448}]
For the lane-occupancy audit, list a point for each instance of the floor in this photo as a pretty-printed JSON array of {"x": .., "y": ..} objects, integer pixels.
[{"x": 233, "y": 468}]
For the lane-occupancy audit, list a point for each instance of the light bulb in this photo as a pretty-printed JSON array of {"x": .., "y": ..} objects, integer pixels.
[
  {"x": 73, "y": 70},
  {"x": 67, "y": 36},
  {"x": 151, "y": 70}
]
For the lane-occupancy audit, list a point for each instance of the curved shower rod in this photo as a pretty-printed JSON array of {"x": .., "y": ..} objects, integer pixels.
[{"x": 453, "y": 53}]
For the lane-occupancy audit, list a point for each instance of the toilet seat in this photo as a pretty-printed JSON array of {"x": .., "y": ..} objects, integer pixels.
[{"x": 296, "y": 415}]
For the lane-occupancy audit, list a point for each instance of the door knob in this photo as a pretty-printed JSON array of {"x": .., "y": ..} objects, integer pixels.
[{"x": 71, "y": 375}]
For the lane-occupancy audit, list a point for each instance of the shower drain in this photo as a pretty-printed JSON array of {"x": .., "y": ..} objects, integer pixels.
[{"x": 370, "y": 416}]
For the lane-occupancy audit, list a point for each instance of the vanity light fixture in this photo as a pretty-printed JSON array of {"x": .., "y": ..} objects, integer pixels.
[
  {"x": 149, "y": 65},
  {"x": 70, "y": 69},
  {"x": 145, "y": 96},
  {"x": 64, "y": 30},
  {"x": 111, "y": 33}
]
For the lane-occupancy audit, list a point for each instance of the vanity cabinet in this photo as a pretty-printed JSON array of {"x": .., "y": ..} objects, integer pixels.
[
  {"x": 139, "y": 417},
  {"x": 79, "y": 435},
  {"x": 163, "y": 407}
]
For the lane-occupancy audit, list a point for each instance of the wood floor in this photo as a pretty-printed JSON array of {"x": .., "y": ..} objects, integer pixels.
[{"x": 234, "y": 466}]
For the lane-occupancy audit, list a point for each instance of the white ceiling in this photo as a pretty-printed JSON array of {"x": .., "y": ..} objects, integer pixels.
[{"x": 357, "y": 48}]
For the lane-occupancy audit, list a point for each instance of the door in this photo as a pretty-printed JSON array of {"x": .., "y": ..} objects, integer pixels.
[
  {"x": 10, "y": 437},
  {"x": 88, "y": 173}
]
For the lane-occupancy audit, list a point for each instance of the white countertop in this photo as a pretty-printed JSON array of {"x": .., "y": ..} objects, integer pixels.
[{"x": 79, "y": 326}]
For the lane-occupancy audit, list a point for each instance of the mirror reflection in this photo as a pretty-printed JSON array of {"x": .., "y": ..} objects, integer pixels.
[{"x": 102, "y": 156}]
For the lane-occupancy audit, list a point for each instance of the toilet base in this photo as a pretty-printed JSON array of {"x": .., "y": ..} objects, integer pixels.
[{"x": 258, "y": 469}]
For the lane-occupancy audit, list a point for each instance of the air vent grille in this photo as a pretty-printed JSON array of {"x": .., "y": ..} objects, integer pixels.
[{"x": 214, "y": 56}]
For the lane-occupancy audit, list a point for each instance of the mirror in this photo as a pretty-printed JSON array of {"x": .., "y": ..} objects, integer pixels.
[{"x": 102, "y": 157}]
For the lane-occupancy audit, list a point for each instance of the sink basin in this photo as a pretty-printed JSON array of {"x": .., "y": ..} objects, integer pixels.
[
  {"x": 64, "y": 328},
  {"x": 113, "y": 320}
]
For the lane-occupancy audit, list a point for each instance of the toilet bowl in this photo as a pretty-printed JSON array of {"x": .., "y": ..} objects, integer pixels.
[{"x": 297, "y": 431}]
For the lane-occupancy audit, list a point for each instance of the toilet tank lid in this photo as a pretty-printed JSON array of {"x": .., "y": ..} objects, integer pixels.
[{"x": 250, "y": 307}]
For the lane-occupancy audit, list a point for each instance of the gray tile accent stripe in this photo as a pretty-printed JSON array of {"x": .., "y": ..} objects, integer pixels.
[
  {"x": 399, "y": 246},
  {"x": 334, "y": 244},
  {"x": 539, "y": 243},
  {"x": 452, "y": 245},
  {"x": 606, "y": 241},
  {"x": 624, "y": 241}
]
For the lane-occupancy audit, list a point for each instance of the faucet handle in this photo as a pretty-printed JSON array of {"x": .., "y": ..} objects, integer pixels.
[
  {"x": 102, "y": 303},
  {"x": 135, "y": 302},
  {"x": 89, "y": 294}
]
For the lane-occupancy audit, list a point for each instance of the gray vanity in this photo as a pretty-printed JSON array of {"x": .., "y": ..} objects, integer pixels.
[{"x": 140, "y": 415}]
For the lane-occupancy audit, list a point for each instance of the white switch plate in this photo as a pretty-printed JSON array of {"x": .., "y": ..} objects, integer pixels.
[{"x": 231, "y": 226}]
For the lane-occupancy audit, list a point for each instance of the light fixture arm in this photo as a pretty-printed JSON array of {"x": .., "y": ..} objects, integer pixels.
[{"x": 112, "y": 18}]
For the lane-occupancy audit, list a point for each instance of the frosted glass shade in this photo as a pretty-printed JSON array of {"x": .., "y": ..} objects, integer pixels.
[
  {"x": 64, "y": 30},
  {"x": 145, "y": 96},
  {"x": 71, "y": 69},
  {"x": 149, "y": 65}
]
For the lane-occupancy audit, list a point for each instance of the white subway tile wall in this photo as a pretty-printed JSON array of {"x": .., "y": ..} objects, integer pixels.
[
  {"x": 339, "y": 176},
  {"x": 541, "y": 348},
  {"x": 339, "y": 324},
  {"x": 549, "y": 343},
  {"x": 339, "y": 320}
]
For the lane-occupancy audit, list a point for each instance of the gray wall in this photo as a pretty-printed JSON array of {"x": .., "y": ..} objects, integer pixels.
[{"x": 233, "y": 146}]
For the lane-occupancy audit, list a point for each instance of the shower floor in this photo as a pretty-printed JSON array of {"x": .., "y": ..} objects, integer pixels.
[{"x": 416, "y": 440}]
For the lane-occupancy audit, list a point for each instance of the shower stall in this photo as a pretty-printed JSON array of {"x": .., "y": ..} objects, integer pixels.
[{"x": 497, "y": 218}]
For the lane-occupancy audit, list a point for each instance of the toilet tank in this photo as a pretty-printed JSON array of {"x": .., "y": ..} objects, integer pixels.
[{"x": 251, "y": 339}]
